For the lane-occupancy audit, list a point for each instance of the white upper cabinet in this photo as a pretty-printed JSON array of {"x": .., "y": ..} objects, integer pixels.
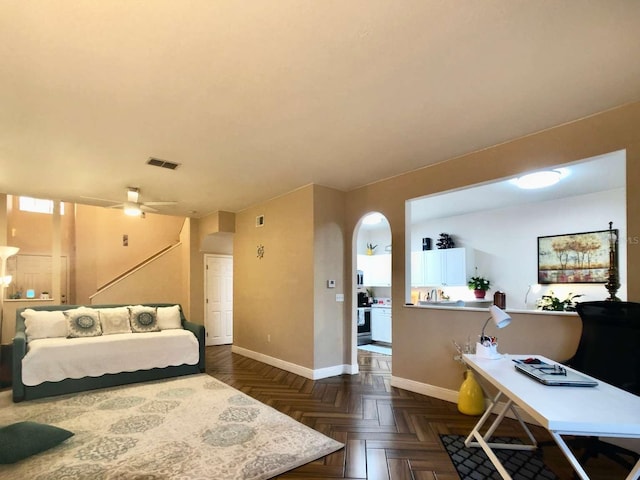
[
  {"x": 446, "y": 267},
  {"x": 376, "y": 269}
]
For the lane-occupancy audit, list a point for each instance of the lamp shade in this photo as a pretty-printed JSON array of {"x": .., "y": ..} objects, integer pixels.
[
  {"x": 499, "y": 316},
  {"x": 6, "y": 251}
]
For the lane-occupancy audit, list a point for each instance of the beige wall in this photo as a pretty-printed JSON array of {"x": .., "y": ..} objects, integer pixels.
[
  {"x": 329, "y": 264},
  {"x": 275, "y": 295},
  {"x": 422, "y": 338},
  {"x": 159, "y": 281}
]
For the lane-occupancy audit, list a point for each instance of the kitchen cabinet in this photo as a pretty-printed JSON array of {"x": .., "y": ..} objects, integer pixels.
[
  {"x": 381, "y": 324},
  {"x": 445, "y": 267},
  {"x": 376, "y": 269}
]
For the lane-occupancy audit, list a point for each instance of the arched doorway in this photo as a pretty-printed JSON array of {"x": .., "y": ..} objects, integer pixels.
[{"x": 372, "y": 300}]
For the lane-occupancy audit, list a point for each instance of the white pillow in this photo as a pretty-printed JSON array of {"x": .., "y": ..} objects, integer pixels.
[
  {"x": 114, "y": 320},
  {"x": 169, "y": 317},
  {"x": 44, "y": 324}
]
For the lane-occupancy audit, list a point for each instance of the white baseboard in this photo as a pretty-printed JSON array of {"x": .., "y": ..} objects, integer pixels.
[
  {"x": 425, "y": 389},
  {"x": 305, "y": 372}
]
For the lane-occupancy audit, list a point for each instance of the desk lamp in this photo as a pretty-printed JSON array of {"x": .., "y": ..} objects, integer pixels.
[{"x": 487, "y": 346}]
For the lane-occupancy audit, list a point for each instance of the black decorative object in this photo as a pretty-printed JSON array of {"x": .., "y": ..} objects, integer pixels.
[
  {"x": 426, "y": 243},
  {"x": 613, "y": 284},
  {"x": 445, "y": 241}
]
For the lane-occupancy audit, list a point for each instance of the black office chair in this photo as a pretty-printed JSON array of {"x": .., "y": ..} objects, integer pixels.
[{"x": 609, "y": 351}]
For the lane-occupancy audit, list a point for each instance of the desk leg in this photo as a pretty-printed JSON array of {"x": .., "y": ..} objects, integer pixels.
[
  {"x": 482, "y": 440},
  {"x": 570, "y": 456},
  {"x": 635, "y": 473}
]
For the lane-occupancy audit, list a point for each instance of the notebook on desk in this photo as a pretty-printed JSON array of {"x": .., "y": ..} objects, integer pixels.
[{"x": 552, "y": 374}]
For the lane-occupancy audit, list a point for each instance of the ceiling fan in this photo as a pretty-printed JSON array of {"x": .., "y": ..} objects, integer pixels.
[{"x": 134, "y": 207}]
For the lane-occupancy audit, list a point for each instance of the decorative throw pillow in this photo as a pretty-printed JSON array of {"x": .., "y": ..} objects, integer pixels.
[
  {"x": 23, "y": 439},
  {"x": 83, "y": 322},
  {"x": 114, "y": 320},
  {"x": 169, "y": 317},
  {"x": 44, "y": 324},
  {"x": 143, "y": 319}
]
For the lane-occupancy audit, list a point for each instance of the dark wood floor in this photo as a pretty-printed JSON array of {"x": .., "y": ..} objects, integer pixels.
[{"x": 388, "y": 433}]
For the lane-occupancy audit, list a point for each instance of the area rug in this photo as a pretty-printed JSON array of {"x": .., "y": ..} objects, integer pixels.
[
  {"x": 473, "y": 464},
  {"x": 192, "y": 427}
]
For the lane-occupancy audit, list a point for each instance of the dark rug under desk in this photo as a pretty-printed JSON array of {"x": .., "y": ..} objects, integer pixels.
[{"x": 473, "y": 464}]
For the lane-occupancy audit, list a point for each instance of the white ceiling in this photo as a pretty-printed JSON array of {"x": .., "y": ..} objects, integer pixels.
[{"x": 255, "y": 99}]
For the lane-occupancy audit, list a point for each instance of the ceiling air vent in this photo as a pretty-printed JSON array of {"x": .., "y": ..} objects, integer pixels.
[{"x": 156, "y": 162}]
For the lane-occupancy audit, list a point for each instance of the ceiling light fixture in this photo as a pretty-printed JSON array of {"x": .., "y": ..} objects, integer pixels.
[
  {"x": 132, "y": 209},
  {"x": 540, "y": 179}
]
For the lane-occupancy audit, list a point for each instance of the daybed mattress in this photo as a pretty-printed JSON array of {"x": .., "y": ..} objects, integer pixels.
[{"x": 55, "y": 359}]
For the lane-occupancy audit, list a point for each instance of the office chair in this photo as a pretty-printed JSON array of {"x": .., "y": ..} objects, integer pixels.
[{"x": 608, "y": 350}]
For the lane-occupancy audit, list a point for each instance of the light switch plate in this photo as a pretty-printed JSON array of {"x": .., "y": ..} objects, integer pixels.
[{"x": 339, "y": 297}]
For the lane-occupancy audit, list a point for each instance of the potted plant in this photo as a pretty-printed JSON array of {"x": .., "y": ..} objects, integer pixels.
[
  {"x": 479, "y": 285},
  {"x": 370, "y": 248},
  {"x": 552, "y": 303}
]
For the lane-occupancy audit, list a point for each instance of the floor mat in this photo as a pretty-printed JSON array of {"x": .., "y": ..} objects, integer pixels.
[{"x": 473, "y": 464}]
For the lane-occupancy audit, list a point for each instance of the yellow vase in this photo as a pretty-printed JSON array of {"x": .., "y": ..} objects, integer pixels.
[{"x": 471, "y": 396}]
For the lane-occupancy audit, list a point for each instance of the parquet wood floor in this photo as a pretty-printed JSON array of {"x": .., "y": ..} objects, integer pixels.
[{"x": 389, "y": 433}]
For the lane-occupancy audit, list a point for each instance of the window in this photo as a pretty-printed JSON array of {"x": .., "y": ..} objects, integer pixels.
[{"x": 38, "y": 205}]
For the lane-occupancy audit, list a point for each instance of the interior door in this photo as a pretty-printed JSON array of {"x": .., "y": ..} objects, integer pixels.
[{"x": 219, "y": 299}]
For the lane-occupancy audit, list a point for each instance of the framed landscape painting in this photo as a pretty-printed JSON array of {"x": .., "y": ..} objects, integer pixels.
[{"x": 574, "y": 258}]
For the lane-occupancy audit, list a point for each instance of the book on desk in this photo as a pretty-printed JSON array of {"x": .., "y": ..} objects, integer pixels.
[{"x": 552, "y": 374}]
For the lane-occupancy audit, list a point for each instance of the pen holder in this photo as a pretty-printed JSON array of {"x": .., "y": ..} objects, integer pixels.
[{"x": 490, "y": 352}]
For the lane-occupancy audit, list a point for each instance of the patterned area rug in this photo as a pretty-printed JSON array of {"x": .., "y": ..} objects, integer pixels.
[
  {"x": 192, "y": 427},
  {"x": 473, "y": 464}
]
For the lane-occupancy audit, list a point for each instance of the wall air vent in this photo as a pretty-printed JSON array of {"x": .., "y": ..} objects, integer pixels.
[{"x": 156, "y": 162}]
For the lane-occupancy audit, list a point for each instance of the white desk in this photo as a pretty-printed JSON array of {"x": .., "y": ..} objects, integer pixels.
[{"x": 603, "y": 411}]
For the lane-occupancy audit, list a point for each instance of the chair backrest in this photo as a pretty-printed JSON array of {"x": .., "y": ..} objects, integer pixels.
[{"x": 609, "y": 347}]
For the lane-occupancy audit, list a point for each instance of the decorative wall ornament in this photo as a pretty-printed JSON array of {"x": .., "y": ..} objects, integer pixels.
[{"x": 260, "y": 251}]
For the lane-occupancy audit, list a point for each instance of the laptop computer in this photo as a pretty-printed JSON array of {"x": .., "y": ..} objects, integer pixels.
[{"x": 552, "y": 374}]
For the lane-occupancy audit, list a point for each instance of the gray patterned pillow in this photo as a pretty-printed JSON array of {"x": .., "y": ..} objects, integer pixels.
[
  {"x": 143, "y": 319},
  {"x": 83, "y": 322}
]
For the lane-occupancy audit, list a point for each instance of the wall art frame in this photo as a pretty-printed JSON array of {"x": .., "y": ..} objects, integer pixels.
[{"x": 575, "y": 257}]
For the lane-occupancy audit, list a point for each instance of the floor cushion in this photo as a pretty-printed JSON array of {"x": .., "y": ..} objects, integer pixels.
[{"x": 23, "y": 439}]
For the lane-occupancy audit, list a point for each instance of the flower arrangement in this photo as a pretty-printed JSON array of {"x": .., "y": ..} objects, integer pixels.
[
  {"x": 462, "y": 349},
  {"x": 552, "y": 303},
  {"x": 479, "y": 283},
  {"x": 371, "y": 246}
]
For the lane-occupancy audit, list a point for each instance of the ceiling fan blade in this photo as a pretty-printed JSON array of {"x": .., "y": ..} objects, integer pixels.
[
  {"x": 104, "y": 200},
  {"x": 159, "y": 203},
  {"x": 145, "y": 208}
]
